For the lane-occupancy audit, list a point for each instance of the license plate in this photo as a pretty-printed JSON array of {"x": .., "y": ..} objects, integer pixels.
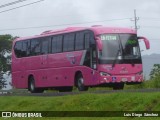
[{"x": 133, "y": 78}]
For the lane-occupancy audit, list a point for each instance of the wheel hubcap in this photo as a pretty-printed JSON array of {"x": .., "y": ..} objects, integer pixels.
[
  {"x": 80, "y": 82},
  {"x": 32, "y": 86}
]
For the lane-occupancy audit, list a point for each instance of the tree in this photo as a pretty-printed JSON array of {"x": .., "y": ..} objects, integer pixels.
[
  {"x": 155, "y": 76},
  {"x": 155, "y": 71},
  {"x": 5, "y": 56},
  {"x": 2, "y": 81}
]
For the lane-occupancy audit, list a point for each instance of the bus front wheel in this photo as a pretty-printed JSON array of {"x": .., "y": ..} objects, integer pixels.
[
  {"x": 80, "y": 83},
  {"x": 32, "y": 88}
]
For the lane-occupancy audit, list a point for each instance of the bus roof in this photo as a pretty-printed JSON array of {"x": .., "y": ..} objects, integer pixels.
[{"x": 96, "y": 29}]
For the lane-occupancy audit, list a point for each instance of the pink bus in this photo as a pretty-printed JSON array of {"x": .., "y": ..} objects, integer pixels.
[{"x": 77, "y": 56}]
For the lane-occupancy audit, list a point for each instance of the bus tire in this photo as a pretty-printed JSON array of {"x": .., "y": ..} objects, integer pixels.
[
  {"x": 118, "y": 86},
  {"x": 80, "y": 83},
  {"x": 32, "y": 88}
]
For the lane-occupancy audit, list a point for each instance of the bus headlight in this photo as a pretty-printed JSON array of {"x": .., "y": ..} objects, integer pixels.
[{"x": 104, "y": 74}]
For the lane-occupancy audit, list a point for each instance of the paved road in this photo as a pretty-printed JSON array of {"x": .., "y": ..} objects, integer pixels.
[{"x": 26, "y": 93}]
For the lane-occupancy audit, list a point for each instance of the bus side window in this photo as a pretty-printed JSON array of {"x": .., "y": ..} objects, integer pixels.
[
  {"x": 68, "y": 42},
  {"x": 57, "y": 44},
  {"x": 28, "y": 47},
  {"x": 71, "y": 42},
  {"x": 25, "y": 48},
  {"x": 18, "y": 49},
  {"x": 35, "y": 47},
  {"x": 79, "y": 41},
  {"x": 87, "y": 41},
  {"x": 54, "y": 45}
]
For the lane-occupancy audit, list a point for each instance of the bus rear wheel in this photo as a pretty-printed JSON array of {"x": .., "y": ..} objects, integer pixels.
[
  {"x": 32, "y": 88},
  {"x": 80, "y": 83}
]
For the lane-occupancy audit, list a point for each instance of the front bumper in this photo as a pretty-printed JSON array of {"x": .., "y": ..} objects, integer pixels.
[{"x": 121, "y": 78}]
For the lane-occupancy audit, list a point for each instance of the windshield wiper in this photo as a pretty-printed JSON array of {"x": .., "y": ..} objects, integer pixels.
[
  {"x": 119, "y": 51},
  {"x": 113, "y": 64}
]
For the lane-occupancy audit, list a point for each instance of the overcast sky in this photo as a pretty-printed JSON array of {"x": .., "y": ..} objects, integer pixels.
[{"x": 56, "y": 14}]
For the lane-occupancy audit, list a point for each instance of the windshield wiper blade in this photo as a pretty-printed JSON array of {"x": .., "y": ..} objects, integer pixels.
[{"x": 113, "y": 64}]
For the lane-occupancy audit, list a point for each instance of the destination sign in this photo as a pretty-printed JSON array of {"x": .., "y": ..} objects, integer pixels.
[{"x": 108, "y": 37}]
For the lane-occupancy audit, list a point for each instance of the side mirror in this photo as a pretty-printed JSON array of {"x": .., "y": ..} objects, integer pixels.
[{"x": 146, "y": 41}]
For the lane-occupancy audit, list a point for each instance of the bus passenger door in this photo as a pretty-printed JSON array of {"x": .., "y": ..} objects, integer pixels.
[
  {"x": 91, "y": 62},
  {"x": 93, "y": 58},
  {"x": 90, "y": 47}
]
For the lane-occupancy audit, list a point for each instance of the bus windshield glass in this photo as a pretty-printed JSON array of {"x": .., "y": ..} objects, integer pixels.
[{"x": 123, "y": 47}]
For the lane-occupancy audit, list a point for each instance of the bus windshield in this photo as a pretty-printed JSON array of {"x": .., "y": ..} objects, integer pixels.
[{"x": 123, "y": 47}]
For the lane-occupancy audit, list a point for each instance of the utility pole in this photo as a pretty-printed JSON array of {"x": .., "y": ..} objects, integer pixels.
[{"x": 135, "y": 20}]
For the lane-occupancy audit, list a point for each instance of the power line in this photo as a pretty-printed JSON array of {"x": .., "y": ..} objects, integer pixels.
[
  {"x": 21, "y": 6},
  {"x": 153, "y": 19},
  {"x": 35, "y": 27},
  {"x": 63, "y": 24},
  {"x": 11, "y": 3},
  {"x": 151, "y": 27}
]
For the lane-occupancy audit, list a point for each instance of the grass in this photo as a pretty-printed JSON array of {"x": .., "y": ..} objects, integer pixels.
[
  {"x": 84, "y": 102},
  {"x": 153, "y": 83},
  {"x": 122, "y": 101}
]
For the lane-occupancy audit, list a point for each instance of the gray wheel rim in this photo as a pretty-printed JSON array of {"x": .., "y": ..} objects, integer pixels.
[
  {"x": 80, "y": 82},
  {"x": 32, "y": 86}
]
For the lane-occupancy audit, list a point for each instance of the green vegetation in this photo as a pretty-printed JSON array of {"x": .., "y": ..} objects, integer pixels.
[
  {"x": 5, "y": 47},
  {"x": 155, "y": 71},
  {"x": 148, "y": 84},
  {"x": 154, "y": 81},
  {"x": 5, "y": 57},
  {"x": 84, "y": 102}
]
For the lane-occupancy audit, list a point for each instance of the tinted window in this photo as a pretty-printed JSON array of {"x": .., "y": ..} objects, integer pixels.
[
  {"x": 68, "y": 42},
  {"x": 92, "y": 40},
  {"x": 25, "y": 48},
  {"x": 87, "y": 40},
  {"x": 35, "y": 47},
  {"x": 18, "y": 49},
  {"x": 79, "y": 41},
  {"x": 45, "y": 45},
  {"x": 57, "y": 44}
]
